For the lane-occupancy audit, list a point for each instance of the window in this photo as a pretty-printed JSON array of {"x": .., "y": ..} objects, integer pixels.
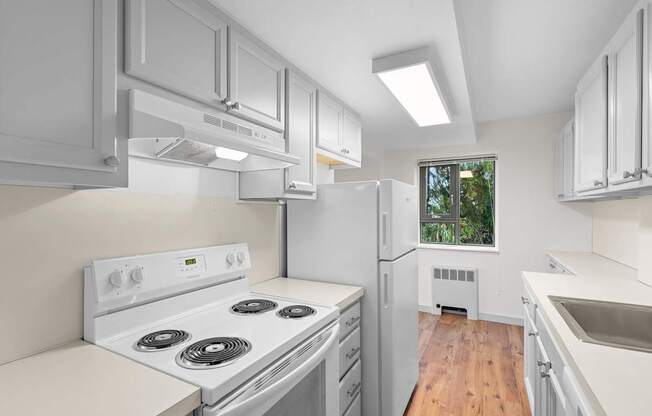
[{"x": 458, "y": 202}]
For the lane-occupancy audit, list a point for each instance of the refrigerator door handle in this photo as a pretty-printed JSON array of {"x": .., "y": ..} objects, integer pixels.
[
  {"x": 384, "y": 225},
  {"x": 386, "y": 283}
]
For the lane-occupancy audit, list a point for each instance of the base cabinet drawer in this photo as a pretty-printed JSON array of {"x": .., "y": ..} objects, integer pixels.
[
  {"x": 355, "y": 409},
  {"x": 350, "y": 386},
  {"x": 349, "y": 351},
  {"x": 349, "y": 320}
]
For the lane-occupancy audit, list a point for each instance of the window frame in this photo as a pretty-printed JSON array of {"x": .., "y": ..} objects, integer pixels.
[{"x": 454, "y": 218}]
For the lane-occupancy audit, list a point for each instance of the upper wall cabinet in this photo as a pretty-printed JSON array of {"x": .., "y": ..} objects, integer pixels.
[
  {"x": 179, "y": 46},
  {"x": 591, "y": 128},
  {"x": 339, "y": 131},
  {"x": 58, "y": 93},
  {"x": 625, "y": 91},
  {"x": 256, "y": 82},
  {"x": 351, "y": 136},
  {"x": 296, "y": 182}
]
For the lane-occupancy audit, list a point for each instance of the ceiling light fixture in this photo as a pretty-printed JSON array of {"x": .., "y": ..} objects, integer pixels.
[
  {"x": 226, "y": 153},
  {"x": 410, "y": 78}
]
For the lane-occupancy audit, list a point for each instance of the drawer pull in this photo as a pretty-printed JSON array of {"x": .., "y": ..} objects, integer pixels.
[
  {"x": 354, "y": 389},
  {"x": 354, "y": 320},
  {"x": 533, "y": 333},
  {"x": 547, "y": 365},
  {"x": 525, "y": 300},
  {"x": 353, "y": 352}
]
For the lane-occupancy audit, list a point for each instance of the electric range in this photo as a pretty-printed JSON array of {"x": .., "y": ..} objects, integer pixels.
[{"x": 190, "y": 314}]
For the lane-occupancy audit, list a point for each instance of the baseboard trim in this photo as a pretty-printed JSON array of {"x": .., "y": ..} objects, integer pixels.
[
  {"x": 502, "y": 319},
  {"x": 426, "y": 309}
]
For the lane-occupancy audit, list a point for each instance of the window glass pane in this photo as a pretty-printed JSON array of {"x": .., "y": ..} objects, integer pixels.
[
  {"x": 477, "y": 202},
  {"x": 437, "y": 233},
  {"x": 439, "y": 197}
]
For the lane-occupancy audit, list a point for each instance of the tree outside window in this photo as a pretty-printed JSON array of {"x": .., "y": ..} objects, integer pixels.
[{"x": 458, "y": 202}]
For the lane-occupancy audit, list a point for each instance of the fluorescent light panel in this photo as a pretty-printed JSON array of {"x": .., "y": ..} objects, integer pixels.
[
  {"x": 226, "y": 153},
  {"x": 415, "y": 89}
]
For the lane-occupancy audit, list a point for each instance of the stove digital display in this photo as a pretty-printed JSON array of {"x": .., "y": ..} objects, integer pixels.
[{"x": 190, "y": 262}]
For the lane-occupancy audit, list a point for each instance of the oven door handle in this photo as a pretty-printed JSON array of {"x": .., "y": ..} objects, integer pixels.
[{"x": 249, "y": 405}]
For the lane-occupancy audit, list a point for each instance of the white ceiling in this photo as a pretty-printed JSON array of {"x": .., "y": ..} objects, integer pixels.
[
  {"x": 334, "y": 42},
  {"x": 495, "y": 58},
  {"x": 526, "y": 57}
]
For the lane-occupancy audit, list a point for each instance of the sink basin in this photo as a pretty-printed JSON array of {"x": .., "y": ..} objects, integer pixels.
[{"x": 617, "y": 325}]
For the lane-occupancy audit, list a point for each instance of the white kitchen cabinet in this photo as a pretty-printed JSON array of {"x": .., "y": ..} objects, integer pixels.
[
  {"x": 351, "y": 136},
  {"x": 647, "y": 98},
  {"x": 625, "y": 53},
  {"x": 177, "y": 45},
  {"x": 590, "y": 158},
  {"x": 563, "y": 162},
  {"x": 329, "y": 123},
  {"x": 58, "y": 93},
  {"x": 256, "y": 82},
  {"x": 296, "y": 182},
  {"x": 339, "y": 131}
]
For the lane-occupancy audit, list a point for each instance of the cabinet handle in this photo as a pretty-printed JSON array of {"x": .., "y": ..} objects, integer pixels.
[
  {"x": 525, "y": 300},
  {"x": 532, "y": 333},
  {"x": 544, "y": 374},
  {"x": 597, "y": 183},
  {"x": 352, "y": 321},
  {"x": 547, "y": 365},
  {"x": 112, "y": 161},
  {"x": 230, "y": 105},
  {"x": 352, "y": 353},
  {"x": 342, "y": 150},
  {"x": 293, "y": 185},
  {"x": 628, "y": 174},
  {"x": 641, "y": 171},
  {"x": 354, "y": 389}
]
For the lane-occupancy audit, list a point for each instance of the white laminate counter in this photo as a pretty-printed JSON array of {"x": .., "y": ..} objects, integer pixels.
[
  {"x": 83, "y": 379},
  {"x": 618, "y": 378},
  {"x": 321, "y": 293}
]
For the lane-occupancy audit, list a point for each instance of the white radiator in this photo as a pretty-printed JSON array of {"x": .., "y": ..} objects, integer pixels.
[{"x": 455, "y": 287}]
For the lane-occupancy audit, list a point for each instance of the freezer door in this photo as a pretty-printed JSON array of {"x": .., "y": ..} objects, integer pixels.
[
  {"x": 399, "y": 333},
  {"x": 397, "y": 219}
]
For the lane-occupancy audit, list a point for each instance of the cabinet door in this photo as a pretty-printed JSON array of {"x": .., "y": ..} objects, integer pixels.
[
  {"x": 256, "y": 83},
  {"x": 625, "y": 89},
  {"x": 58, "y": 91},
  {"x": 351, "y": 136},
  {"x": 647, "y": 97},
  {"x": 529, "y": 357},
  {"x": 300, "y": 133},
  {"x": 177, "y": 45},
  {"x": 568, "y": 147},
  {"x": 329, "y": 123},
  {"x": 591, "y": 129},
  {"x": 558, "y": 158}
]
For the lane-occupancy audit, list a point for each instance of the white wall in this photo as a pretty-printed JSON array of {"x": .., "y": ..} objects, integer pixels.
[
  {"x": 616, "y": 229},
  {"x": 47, "y": 236},
  {"x": 530, "y": 221}
]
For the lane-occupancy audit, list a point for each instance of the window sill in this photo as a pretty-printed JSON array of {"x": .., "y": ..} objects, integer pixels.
[{"x": 459, "y": 248}]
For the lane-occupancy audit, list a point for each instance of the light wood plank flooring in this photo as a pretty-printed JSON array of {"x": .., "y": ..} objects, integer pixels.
[{"x": 469, "y": 368}]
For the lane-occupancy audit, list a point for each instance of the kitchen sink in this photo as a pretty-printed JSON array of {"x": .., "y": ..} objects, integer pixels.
[{"x": 617, "y": 325}]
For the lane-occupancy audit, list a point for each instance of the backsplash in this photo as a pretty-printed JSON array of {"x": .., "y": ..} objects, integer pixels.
[
  {"x": 47, "y": 236},
  {"x": 616, "y": 229}
]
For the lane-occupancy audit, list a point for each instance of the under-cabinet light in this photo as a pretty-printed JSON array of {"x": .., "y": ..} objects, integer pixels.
[
  {"x": 409, "y": 77},
  {"x": 226, "y": 153}
]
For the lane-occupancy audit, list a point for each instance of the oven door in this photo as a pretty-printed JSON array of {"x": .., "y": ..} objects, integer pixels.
[{"x": 302, "y": 382}]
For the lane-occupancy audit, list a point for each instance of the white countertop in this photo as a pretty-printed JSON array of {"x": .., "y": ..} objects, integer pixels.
[
  {"x": 83, "y": 379},
  {"x": 320, "y": 293},
  {"x": 618, "y": 378}
]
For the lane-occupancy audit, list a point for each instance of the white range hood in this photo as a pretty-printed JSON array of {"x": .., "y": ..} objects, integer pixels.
[{"x": 163, "y": 129}]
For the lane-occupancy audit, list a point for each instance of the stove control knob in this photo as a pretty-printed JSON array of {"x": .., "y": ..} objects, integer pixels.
[
  {"x": 115, "y": 278},
  {"x": 230, "y": 258},
  {"x": 137, "y": 275},
  {"x": 241, "y": 257}
]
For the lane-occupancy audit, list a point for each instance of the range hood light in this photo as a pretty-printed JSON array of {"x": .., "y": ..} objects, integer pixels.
[{"x": 226, "y": 153}]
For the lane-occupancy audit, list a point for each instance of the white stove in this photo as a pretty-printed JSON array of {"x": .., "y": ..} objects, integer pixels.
[{"x": 190, "y": 314}]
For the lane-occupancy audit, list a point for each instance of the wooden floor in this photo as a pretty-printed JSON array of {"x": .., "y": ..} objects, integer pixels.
[{"x": 469, "y": 368}]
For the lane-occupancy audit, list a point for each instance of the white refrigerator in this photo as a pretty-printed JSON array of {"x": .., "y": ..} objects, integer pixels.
[{"x": 365, "y": 234}]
